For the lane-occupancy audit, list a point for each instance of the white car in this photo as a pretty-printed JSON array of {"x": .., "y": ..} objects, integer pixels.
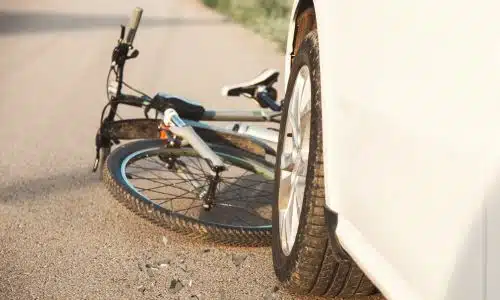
[{"x": 389, "y": 154}]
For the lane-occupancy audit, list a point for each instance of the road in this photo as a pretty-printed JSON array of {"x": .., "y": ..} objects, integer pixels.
[{"x": 62, "y": 236}]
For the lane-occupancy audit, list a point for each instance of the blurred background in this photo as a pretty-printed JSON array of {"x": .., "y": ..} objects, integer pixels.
[{"x": 269, "y": 18}]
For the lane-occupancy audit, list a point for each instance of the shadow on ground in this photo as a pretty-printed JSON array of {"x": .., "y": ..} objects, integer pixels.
[
  {"x": 15, "y": 22},
  {"x": 26, "y": 189}
]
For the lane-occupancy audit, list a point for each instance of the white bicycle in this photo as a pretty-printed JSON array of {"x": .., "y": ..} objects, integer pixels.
[{"x": 210, "y": 182}]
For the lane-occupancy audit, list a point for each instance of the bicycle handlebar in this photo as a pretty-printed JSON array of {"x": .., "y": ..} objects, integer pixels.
[
  {"x": 131, "y": 100},
  {"x": 134, "y": 24}
]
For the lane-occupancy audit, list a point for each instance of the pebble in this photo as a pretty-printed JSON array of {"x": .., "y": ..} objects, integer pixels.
[
  {"x": 238, "y": 259},
  {"x": 183, "y": 267},
  {"x": 163, "y": 263},
  {"x": 175, "y": 286}
]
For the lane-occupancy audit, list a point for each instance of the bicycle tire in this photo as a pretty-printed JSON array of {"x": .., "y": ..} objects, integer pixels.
[
  {"x": 104, "y": 153},
  {"x": 116, "y": 181}
]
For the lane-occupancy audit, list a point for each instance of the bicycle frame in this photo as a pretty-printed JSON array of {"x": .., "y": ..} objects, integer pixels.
[{"x": 169, "y": 126}]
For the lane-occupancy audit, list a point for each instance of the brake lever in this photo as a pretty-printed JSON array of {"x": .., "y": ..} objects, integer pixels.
[{"x": 134, "y": 54}]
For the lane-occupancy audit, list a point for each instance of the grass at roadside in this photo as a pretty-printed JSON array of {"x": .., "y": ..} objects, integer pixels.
[{"x": 269, "y": 18}]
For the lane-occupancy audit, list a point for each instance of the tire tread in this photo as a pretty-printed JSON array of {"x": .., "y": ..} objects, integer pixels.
[
  {"x": 212, "y": 233},
  {"x": 315, "y": 270}
]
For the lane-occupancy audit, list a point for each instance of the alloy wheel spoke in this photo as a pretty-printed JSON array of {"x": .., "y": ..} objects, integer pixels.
[
  {"x": 285, "y": 189},
  {"x": 294, "y": 159},
  {"x": 287, "y": 163}
]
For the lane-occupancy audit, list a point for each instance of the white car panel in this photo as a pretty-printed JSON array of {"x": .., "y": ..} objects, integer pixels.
[{"x": 411, "y": 98}]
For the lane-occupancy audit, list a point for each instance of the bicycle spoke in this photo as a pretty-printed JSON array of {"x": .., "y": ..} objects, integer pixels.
[
  {"x": 190, "y": 206},
  {"x": 197, "y": 165},
  {"x": 160, "y": 182},
  {"x": 242, "y": 197},
  {"x": 238, "y": 217},
  {"x": 178, "y": 197},
  {"x": 247, "y": 179},
  {"x": 247, "y": 188}
]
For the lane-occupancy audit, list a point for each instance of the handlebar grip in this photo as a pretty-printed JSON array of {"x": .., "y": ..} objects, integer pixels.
[
  {"x": 130, "y": 100},
  {"x": 134, "y": 24}
]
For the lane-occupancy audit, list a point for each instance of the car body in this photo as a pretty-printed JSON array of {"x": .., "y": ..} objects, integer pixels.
[{"x": 410, "y": 91}]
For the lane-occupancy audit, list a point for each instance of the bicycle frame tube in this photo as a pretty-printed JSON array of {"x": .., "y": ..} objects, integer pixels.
[
  {"x": 180, "y": 128},
  {"x": 239, "y": 115}
]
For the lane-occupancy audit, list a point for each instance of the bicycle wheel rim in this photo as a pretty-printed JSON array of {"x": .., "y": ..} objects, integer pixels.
[{"x": 249, "y": 164}]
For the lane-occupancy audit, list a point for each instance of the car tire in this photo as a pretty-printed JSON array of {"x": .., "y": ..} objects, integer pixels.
[{"x": 306, "y": 265}]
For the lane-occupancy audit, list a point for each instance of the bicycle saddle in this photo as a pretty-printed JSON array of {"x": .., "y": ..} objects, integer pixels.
[
  {"x": 185, "y": 109},
  {"x": 266, "y": 78}
]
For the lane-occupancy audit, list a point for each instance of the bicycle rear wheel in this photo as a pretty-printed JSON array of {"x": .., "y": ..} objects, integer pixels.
[{"x": 166, "y": 185}]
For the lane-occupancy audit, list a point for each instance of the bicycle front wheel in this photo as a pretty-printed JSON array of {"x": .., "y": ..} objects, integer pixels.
[{"x": 167, "y": 186}]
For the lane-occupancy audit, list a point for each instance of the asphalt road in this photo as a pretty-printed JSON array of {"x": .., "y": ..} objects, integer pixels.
[{"x": 62, "y": 236}]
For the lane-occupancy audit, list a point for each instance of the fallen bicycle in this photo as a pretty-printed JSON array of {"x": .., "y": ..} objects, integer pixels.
[{"x": 206, "y": 181}]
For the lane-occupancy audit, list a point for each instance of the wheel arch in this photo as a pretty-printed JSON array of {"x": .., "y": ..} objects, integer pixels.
[
  {"x": 297, "y": 31},
  {"x": 307, "y": 15}
]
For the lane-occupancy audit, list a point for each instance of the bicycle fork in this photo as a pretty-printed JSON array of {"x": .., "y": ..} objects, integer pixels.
[{"x": 179, "y": 128}]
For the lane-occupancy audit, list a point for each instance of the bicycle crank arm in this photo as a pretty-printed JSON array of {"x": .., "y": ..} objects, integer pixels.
[{"x": 179, "y": 128}]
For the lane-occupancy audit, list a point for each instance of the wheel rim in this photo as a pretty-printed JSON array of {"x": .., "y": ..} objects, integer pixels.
[
  {"x": 294, "y": 160},
  {"x": 243, "y": 199}
]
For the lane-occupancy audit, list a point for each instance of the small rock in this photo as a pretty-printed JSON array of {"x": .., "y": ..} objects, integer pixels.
[
  {"x": 141, "y": 289},
  {"x": 164, "y": 240},
  {"x": 238, "y": 259},
  {"x": 150, "y": 273},
  {"x": 175, "y": 286},
  {"x": 139, "y": 265},
  {"x": 183, "y": 267},
  {"x": 206, "y": 250},
  {"x": 152, "y": 266},
  {"x": 190, "y": 283},
  {"x": 163, "y": 263},
  {"x": 194, "y": 297},
  {"x": 276, "y": 288}
]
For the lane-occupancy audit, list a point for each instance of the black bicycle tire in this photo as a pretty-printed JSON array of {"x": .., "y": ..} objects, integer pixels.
[{"x": 227, "y": 235}]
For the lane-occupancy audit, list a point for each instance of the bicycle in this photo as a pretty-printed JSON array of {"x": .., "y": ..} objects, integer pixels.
[{"x": 199, "y": 163}]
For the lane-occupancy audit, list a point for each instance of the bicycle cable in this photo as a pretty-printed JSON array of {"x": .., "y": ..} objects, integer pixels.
[{"x": 136, "y": 90}]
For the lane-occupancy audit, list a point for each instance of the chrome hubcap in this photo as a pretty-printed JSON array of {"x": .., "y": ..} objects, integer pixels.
[{"x": 294, "y": 160}]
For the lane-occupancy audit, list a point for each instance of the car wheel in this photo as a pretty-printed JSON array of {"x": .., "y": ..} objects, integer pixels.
[{"x": 302, "y": 253}]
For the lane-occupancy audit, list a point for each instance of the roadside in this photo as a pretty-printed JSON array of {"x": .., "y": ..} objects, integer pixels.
[{"x": 269, "y": 18}]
